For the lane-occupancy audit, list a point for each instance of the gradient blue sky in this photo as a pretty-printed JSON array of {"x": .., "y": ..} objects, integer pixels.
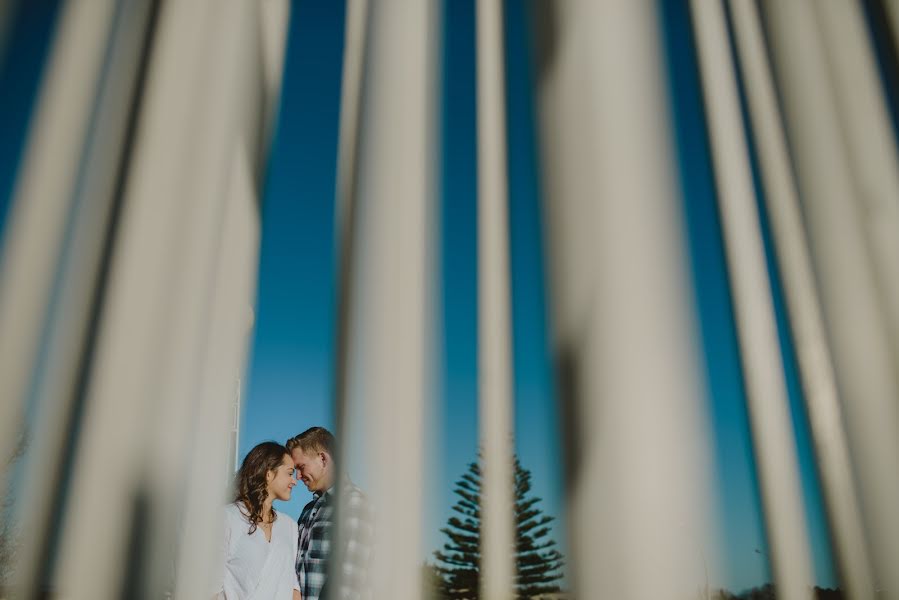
[{"x": 289, "y": 381}]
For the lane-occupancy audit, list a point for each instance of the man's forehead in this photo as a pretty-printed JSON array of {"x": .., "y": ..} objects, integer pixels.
[{"x": 299, "y": 455}]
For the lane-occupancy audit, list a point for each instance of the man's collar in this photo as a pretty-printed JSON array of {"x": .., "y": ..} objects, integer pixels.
[
  {"x": 327, "y": 492},
  {"x": 347, "y": 484}
]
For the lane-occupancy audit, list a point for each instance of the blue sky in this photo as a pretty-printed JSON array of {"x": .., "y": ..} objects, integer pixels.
[
  {"x": 21, "y": 64},
  {"x": 289, "y": 376}
]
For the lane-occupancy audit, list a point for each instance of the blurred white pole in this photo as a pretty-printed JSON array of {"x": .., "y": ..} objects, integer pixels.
[
  {"x": 345, "y": 195},
  {"x": 350, "y": 97},
  {"x": 625, "y": 338},
  {"x": 39, "y": 213},
  {"x": 345, "y": 234},
  {"x": 274, "y": 23},
  {"x": 79, "y": 288},
  {"x": 203, "y": 103},
  {"x": 806, "y": 321},
  {"x": 766, "y": 392},
  {"x": 390, "y": 306},
  {"x": 847, "y": 278},
  {"x": 870, "y": 143},
  {"x": 229, "y": 330},
  {"x": 199, "y": 562},
  {"x": 494, "y": 313}
]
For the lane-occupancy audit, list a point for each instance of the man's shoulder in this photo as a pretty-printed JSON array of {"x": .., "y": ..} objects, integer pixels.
[{"x": 356, "y": 502}]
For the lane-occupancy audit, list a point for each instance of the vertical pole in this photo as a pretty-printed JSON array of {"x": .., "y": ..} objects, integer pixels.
[
  {"x": 390, "y": 305},
  {"x": 202, "y": 110},
  {"x": 36, "y": 227},
  {"x": 198, "y": 561},
  {"x": 494, "y": 312},
  {"x": 345, "y": 196},
  {"x": 78, "y": 289},
  {"x": 624, "y": 336}
]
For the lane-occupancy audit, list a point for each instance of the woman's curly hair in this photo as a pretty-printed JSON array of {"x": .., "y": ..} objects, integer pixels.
[{"x": 250, "y": 483}]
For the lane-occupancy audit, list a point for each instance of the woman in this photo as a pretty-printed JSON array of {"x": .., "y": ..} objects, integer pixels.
[{"x": 260, "y": 542}]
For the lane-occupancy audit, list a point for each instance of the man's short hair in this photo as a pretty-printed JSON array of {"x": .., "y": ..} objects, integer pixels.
[{"x": 314, "y": 439}]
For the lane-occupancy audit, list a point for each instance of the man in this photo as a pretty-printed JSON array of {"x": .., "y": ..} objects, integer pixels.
[{"x": 313, "y": 453}]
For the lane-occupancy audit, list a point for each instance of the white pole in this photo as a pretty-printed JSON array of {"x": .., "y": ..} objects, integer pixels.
[
  {"x": 203, "y": 107},
  {"x": 39, "y": 213},
  {"x": 624, "y": 336},
  {"x": 388, "y": 353},
  {"x": 345, "y": 194},
  {"x": 79, "y": 288},
  {"x": 199, "y": 560},
  {"x": 494, "y": 312}
]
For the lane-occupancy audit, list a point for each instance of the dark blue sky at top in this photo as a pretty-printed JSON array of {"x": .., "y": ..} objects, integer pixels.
[
  {"x": 21, "y": 66},
  {"x": 289, "y": 376}
]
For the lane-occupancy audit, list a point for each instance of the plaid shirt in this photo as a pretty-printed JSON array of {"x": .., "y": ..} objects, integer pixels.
[{"x": 316, "y": 528}]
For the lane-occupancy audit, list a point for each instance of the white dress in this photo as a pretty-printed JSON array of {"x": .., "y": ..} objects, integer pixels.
[{"x": 256, "y": 569}]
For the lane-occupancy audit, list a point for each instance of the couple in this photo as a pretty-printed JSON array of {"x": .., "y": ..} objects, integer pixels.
[{"x": 267, "y": 555}]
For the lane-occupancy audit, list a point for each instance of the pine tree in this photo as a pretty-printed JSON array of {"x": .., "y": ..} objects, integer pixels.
[{"x": 538, "y": 562}]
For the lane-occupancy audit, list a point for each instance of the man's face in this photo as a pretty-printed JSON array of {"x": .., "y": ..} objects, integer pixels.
[{"x": 313, "y": 469}]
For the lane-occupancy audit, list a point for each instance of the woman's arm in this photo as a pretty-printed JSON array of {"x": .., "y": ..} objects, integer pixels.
[{"x": 297, "y": 595}]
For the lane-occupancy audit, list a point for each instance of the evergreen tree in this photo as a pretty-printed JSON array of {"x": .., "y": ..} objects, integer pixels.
[{"x": 538, "y": 562}]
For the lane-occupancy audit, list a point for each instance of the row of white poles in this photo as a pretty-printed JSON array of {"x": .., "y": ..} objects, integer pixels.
[
  {"x": 806, "y": 320},
  {"x": 127, "y": 279},
  {"x": 129, "y": 262},
  {"x": 605, "y": 147},
  {"x": 624, "y": 334},
  {"x": 766, "y": 390},
  {"x": 844, "y": 158}
]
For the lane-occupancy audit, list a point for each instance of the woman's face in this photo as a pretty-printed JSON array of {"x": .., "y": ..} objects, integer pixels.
[{"x": 281, "y": 480}]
